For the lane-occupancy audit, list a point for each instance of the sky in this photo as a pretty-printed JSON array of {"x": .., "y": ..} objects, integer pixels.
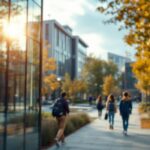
[{"x": 86, "y": 22}]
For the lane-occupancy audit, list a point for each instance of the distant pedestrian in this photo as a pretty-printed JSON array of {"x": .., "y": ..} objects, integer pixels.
[
  {"x": 60, "y": 111},
  {"x": 90, "y": 99},
  {"x": 99, "y": 105},
  {"x": 125, "y": 111},
  {"x": 111, "y": 108}
]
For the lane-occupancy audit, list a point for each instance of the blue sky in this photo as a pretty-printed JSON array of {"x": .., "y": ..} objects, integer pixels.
[{"x": 82, "y": 17}]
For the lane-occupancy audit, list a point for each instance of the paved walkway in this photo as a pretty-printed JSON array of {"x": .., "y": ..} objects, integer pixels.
[{"x": 97, "y": 136}]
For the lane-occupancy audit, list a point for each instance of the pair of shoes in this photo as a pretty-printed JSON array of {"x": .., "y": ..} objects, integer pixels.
[
  {"x": 57, "y": 142},
  {"x": 63, "y": 142},
  {"x": 125, "y": 133},
  {"x": 111, "y": 127}
]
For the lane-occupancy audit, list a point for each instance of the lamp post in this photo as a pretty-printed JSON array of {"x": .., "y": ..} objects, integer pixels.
[{"x": 59, "y": 79}]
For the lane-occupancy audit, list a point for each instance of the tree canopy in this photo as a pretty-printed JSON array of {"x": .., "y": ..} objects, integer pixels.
[
  {"x": 50, "y": 83},
  {"x": 94, "y": 72},
  {"x": 73, "y": 87},
  {"x": 134, "y": 16}
]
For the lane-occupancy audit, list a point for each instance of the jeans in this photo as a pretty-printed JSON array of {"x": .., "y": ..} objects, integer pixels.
[
  {"x": 99, "y": 113},
  {"x": 125, "y": 121},
  {"x": 111, "y": 116}
]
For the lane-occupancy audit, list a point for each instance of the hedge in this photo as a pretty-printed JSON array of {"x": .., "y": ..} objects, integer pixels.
[{"x": 49, "y": 126}]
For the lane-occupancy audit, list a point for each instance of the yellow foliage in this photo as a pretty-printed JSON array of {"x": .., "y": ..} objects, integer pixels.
[
  {"x": 50, "y": 82},
  {"x": 73, "y": 87},
  {"x": 141, "y": 68},
  {"x": 134, "y": 15},
  {"x": 109, "y": 85}
]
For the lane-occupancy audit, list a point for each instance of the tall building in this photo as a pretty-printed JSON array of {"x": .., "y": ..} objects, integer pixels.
[
  {"x": 118, "y": 60},
  {"x": 20, "y": 74},
  {"x": 130, "y": 80},
  {"x": 78, "y": 56},
  {"x": 68, "y": 50}
]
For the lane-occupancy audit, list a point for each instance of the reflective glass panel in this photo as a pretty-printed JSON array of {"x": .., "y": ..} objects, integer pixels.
[{"x": 32, "y": 124}]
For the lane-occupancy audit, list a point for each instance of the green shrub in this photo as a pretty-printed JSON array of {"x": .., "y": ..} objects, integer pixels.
[
  {"x": 31, "y": 119},
  {"x": 49, "y": 130},
  {"x": 49, "y": 126},
  {"x": 46, "y": 115},
  {"x": 69, "y": 128}
]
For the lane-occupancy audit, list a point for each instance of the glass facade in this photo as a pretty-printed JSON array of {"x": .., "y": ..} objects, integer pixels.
[
  {"x": 62, "y": 52},
  {"x": 81, "y": 58},
  {"x": 20, "y": 74}
]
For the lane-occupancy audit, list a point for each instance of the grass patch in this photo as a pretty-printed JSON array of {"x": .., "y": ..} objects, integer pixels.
[{"x": 81, "y": 102}]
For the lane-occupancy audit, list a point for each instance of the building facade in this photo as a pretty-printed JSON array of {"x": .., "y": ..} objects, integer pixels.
[
  {"x": 129, "y": 80},
  {"x": 67, "y": 49},
  {"x": 20, "y": 74},
  {"x": 60, "y": 41},
  {"x": 118, "y": 60},
  {"x": 78, "y": 56}
]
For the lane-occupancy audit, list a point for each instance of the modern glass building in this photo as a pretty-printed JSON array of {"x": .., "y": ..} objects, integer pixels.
[
  {"x": 68, "y": 50},
  {"x": 78, "y": 56},
  {"x": 118, "y": 60},
  {"x": 60, "y": 41},
  {"x": 20, "y": 74}
]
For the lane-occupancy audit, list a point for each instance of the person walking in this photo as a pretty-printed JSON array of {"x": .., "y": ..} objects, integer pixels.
[
  {"x": 90, "y": 99},
  {"x": 60, "y": 111},
  {"x": 99, "y": 105},
  {"x": 111, "y": 109},
  {"x": 125, "y": 108}
]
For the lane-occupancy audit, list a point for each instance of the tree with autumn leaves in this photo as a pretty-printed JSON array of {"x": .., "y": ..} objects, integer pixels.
[
  {"x": 94, "y": 72},
  {"x": 74, "y": 88},
  {"x": 110, "y": 86},
  {"x": 134, "y": 16},
  {"x": 50, "y": 83}
]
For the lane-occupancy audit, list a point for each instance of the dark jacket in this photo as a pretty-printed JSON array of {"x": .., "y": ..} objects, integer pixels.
[
  {"x": 125, "y": 108},
  {"x": 65, "y": 106},
  {"x": 100, "y": 106}
]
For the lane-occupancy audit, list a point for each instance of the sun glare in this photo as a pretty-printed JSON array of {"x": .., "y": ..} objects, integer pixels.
[{"x": 14, "y": 30}]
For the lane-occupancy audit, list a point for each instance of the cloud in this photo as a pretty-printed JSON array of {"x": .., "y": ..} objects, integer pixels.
[
  {"x": 65, "y": 10},
  {"x": 95, "y": 42},
  {"x": 86, "y": 22}
]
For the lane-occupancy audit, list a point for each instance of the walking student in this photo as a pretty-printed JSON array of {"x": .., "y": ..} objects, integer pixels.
[
  {"x": 111, "y": 108},
  {"x": 125, "y": 108},
  {"x": 60, "y": 111},
  {"x": 99, "y": 105}
]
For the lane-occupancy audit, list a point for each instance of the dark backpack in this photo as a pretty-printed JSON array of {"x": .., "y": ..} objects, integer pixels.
[
  {"x": 111, "y": 107},
  {"x": 58, "y": 109},
  {"x": 100, "y": 106}
]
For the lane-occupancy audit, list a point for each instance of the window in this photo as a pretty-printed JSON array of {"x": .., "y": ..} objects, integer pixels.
[
  {"x": 47, "y": 32},
  {"x": 57, "y": 37}
]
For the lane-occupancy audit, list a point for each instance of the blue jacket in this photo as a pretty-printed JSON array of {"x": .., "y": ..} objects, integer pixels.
[{"x": 125, "y": 108}]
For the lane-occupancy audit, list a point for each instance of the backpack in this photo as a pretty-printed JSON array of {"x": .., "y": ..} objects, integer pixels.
[
  {"x": 100, "y": 106},
  {"x": 58, "y": 109},
  {"x": 111, "y": 107}
]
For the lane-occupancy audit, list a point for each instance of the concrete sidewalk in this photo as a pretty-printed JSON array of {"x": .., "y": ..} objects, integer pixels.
[{"x": 97, "y": 136}]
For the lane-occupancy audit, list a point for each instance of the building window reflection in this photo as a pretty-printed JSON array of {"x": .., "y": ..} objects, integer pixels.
[{"x": 20, "y": 40}]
